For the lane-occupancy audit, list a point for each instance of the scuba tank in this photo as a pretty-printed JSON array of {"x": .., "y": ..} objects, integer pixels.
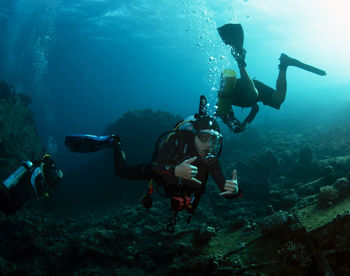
[
  {"x": 16, "y": 176},
  {"x": 45, "y": 176},
  {"x": 89, "y": 143}
]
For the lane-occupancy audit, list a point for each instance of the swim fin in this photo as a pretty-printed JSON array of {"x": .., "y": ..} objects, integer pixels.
[
  {"x": 88, "y": 143},
  {"x": 232, "y": 34},
  {"x": 286, "y": 61}
]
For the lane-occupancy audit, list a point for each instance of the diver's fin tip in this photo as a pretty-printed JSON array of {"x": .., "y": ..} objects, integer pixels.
[{"x": 232, "y": 35}]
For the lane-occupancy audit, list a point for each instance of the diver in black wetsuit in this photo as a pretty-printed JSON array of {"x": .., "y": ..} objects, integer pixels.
[
  {"x": 185, "y": 159},
  {"x": 30, "y": 180},
  {"x": 182, "y": 161},
  {"x": 181, "y": 165}
]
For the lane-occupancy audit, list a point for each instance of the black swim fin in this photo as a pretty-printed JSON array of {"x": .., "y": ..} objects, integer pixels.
[
  {"x": 88, "y": 143},
  {"x": 288, "y": 61},
  {"x": 232, "y": 34}
]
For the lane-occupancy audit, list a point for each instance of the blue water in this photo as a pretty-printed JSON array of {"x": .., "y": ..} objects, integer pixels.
[{"x": 86, "y": 62}]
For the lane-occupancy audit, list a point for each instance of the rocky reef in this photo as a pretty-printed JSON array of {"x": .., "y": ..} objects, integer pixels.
[
  {"x": 139, "y": 129},
  {"x": 18, "y": 136}
]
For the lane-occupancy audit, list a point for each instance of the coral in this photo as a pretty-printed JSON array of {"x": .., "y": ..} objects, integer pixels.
[
  {"x": 327, "y": 195},
  {"x": 275, "y": 222},
  {"x": 202, "y": 236},
  {"x": 295, "y": 254}
]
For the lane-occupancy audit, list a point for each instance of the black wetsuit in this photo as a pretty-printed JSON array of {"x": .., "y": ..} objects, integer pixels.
[
  {"x": 162, "y": 169},
  {"x": 11, "y": 200},
  {"x": 242, "y": 99}
]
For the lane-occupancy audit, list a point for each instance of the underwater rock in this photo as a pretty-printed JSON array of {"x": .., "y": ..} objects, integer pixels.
[
  {"x": 6, "y": 267},
  {"x": 269, "y": 210},
  {"x": 139, "y": 130},
  {"x": 163, "y": 253},
  {"x": 202, "y": 236},
  {"x": 238, "y": 223},
  {"x": 328, "y": 195},
  {"x": 5, "y": 90},
  {"x": 19, "y": 139},
  {"x": 204, "y": 265},
  {"x": 307, "y": 166},
  {"x": 348, "y": 176},
  {"x": 313, "y": 186},
  {"x": 342, "y": 185},
  {"x": 146, "y": 263},
  {"x": 263, "y": 165},
  {"x": 8, "y": 93},
  {"x": 305, "y": 156},
  {"x": 275, "y": 194},
  {"x": 284, "y": 201},
  {"x": 328, "y": 170}
]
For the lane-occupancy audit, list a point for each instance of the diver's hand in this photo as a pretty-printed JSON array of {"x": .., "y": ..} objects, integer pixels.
[
  {"x": 239, "y": 127},
  {"x": 186, "y": 171},
  {"x": 230, "y": 124},
  {"x": 228, "y": 120},
  {"x": 231, "y": 186}
]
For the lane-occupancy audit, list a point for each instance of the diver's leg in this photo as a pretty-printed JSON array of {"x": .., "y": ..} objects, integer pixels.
[
  {"x": 281, "y": 84},
  {"x": 138, "y": 172},
  {"x": 281, "y": 88},
  {"x": 251, "y": 93}
]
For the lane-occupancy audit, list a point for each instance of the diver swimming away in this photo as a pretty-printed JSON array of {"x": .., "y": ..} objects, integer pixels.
[
  {"x": 182, "y": 160},
  {"x": 245, "y": 92},
  {"x": 31, "y": 180}
]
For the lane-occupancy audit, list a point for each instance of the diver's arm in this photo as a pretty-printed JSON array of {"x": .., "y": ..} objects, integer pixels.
[
  {"x": 163, "y": 169},
  {"x": 241, "y": 126},
  {"x": 183, "y": 170},
  {"x": 122, "y": 169},
  {"x": 252, "y": 114},
  {"x": 230, "y": 120}
]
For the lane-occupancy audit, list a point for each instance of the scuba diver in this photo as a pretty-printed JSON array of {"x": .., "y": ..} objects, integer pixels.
[
  {"x": 182, "y": 160},
  {"x": 245, "y": 92},
  {"x": 31, "y": 180}
]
